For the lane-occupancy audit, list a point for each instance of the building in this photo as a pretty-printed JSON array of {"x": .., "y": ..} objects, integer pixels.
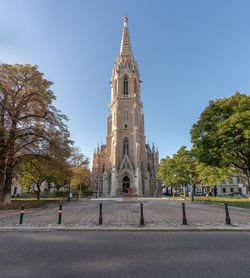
[{"x": 126, "y": 161}]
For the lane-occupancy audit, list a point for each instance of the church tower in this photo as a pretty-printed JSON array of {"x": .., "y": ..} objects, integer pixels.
[{"x": 125, "y": 161}]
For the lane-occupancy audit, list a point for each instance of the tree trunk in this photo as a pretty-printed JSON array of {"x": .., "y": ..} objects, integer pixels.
[
  {"x": 208, "y": 191},
  {"x": 5, "y": 190},
  {"x": 80, "y": 191},
  {"x": 248, "y": 186},
  {"x": 184, "y": 190},
  {"x": 2, "y": 181},
  {"x": 38, "y": 191},
  {"x": 194, "y": 189},
  {"x": 173, "y": 191},
  {"x": 215, "y": 191}
]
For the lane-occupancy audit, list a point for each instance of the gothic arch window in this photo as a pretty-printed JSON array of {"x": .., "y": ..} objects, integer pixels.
[
  {"x": 135, "y": 85},
  {"x": 125, "y": 86},
  {"x": 125, "y": 146},
  {"x": 125, "y": 114}
]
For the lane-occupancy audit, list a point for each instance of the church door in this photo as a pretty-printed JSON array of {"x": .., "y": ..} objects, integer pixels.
[{"x": 125, "y": 184}]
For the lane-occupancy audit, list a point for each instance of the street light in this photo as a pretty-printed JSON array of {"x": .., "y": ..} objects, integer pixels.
[
  {"x": 69, "y": 189},
  {"x": 192, "y": 188}
]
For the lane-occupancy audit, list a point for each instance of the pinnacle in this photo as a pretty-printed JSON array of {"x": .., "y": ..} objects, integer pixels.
[{"x": 125, "y": 43}]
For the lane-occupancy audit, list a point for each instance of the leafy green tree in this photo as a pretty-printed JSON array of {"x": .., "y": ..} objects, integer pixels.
[
  {"x": 166, "y": 173},
  {"x": 176, "y": 171},
  {"x": 184, "y": 166},
  {"x": 221, "y": 137},
  {"x": 29, "y": 123},
  {"x": 211, "y": 175},
  {"x": 33, "y": 171}
]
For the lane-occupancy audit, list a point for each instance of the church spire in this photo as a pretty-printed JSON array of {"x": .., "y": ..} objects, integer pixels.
[{"x": 125, "y": 43}]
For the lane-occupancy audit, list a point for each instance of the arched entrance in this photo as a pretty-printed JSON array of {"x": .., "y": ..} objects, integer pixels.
[{"x": 125, "y": 184}]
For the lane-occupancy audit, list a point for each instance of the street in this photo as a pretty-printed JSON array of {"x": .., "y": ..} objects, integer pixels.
[{"x": 124, "y": 254}]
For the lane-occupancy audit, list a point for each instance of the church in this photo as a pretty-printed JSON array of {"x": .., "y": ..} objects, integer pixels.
[{"x": 126, "y": 161}]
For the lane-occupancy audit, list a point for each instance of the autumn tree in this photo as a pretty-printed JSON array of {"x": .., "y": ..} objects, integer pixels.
[
  {"x": 77, "y": 158},
  {"x": 29, "y": 123},
  {"x": 221, "y": 137},
  {"x": 80, "y": 180}
]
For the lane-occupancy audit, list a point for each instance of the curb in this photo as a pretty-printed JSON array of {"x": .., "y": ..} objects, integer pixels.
[{"x": 117, "y": 229}]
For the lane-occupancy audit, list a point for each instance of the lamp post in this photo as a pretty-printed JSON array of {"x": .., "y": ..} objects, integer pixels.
[
  {"x": 69, "y": 189},
  {"x": 192, "y": 188}
]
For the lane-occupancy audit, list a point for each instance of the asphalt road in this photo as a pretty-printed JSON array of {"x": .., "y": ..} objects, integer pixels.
[{"x": 124, "y": 254}]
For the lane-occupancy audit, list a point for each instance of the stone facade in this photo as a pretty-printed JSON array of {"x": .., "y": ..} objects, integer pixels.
[{"x": 126, "y": 161}]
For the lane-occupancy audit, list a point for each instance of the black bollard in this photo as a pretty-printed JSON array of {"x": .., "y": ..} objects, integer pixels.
[
  {"x": 184, "y": 219},
  {"x": 100, "y": 214},
  {"x": 21, "y": 215},
  {"x": 141, "y": 218},
  {"x": 228, "y": 221},
  {"x": 60, "y": 214}
]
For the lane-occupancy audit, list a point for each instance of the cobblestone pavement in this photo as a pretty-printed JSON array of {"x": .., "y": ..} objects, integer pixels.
[{"x": 158, "y": 213}]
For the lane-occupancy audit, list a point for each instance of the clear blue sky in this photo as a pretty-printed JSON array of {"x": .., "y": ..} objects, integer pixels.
[{"x": 189, "y": 52}]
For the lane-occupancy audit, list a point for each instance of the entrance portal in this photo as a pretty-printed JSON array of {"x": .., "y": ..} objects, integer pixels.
[{"x": 125, "y": 184}]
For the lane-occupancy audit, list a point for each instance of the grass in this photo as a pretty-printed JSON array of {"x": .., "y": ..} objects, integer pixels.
[
  {"x": 234, "y": 202},
  {"x": 29, "y": 203},
  {"x": 16, "y": 203}
]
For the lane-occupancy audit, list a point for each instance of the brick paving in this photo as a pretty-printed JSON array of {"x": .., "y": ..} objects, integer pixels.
[{"x": 117, "y": 213}]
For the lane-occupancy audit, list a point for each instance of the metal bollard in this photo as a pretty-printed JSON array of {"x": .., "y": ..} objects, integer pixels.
[
  {"x": 100, "y": 214},
  {"x": 21, "y": 214},
  {"x": 228, "y": 221},
  {"x": 141, "y": 218},
  {"x": 60, "y": 214},
  {"x": 184, "y": 219}
]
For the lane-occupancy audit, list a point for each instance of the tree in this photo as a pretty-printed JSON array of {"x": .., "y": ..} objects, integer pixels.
[
  {"x": 211, "y": 175},
  {"x": 38, "y": 169},
  {"x": 77, "y": 158},
  {"x": 29, "y": 123},
  {"x": 184, "y": 166},
  {"x": 166, "y": 172},
  {"x": 80, "y": 180},
  {"x": 221, "y": 137},
  {"x": 176, "y": 171}
]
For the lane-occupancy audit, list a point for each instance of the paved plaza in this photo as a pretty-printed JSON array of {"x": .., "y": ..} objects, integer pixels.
[{"x": 158, "y": 214}]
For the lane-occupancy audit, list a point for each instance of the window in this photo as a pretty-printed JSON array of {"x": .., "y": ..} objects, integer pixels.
[
  {"x": 231, "y": 181},
  {"x": 125, "y": 146},
  {"x": 238, "y": 180},
  {"x": 125, "y": 114},
  {"x": 232, "y": 190},
  {"x": 240, "y": 189},
  {"x": 224, "y": 190},
  {"x": 125, "y": 86},
  {"x": 135, "y": 85}
]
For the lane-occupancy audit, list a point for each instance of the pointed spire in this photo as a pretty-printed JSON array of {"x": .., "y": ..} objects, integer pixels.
[{"x": 125, "y": 43}]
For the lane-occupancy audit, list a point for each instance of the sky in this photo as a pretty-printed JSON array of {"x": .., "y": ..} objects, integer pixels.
[{"x": 188, "y": 52}]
